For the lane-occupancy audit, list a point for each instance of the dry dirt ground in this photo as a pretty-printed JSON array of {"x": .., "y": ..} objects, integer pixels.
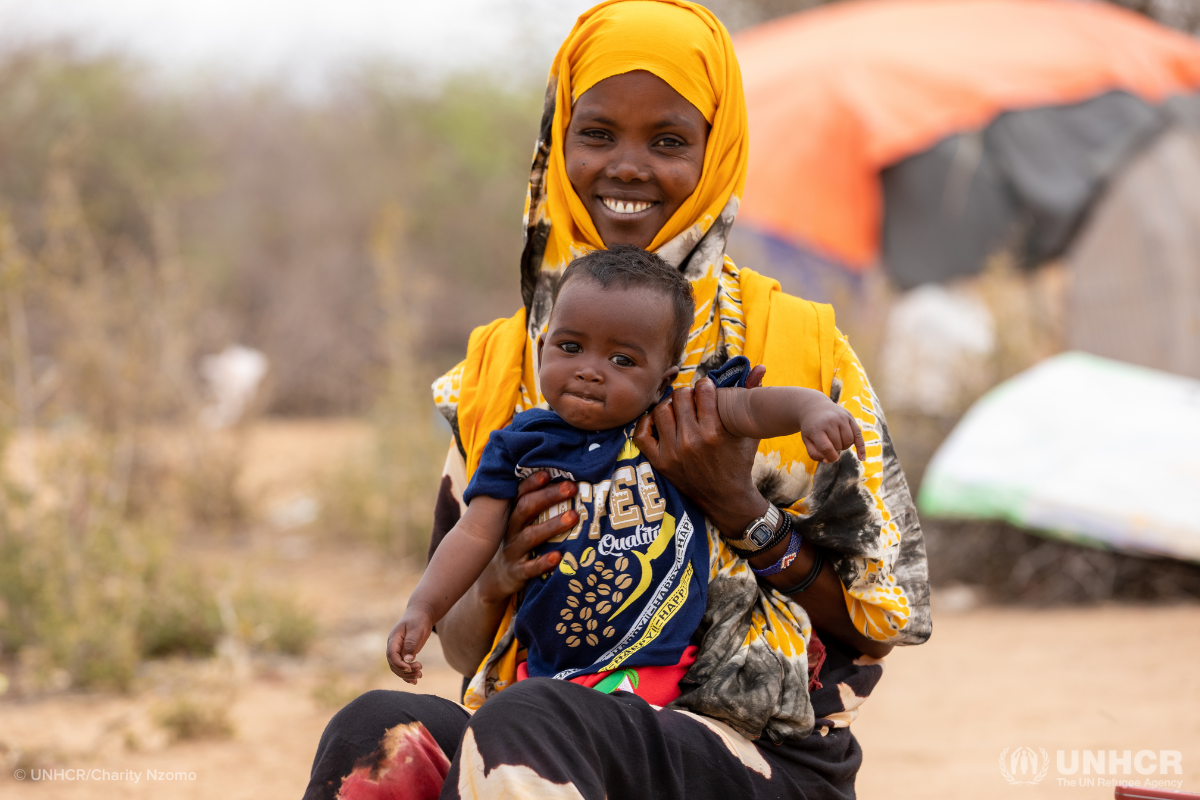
[{"x": 1089, "y": 679}]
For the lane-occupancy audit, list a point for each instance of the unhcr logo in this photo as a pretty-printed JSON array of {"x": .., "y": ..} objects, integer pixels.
[{"x": 1024, "y": 766}]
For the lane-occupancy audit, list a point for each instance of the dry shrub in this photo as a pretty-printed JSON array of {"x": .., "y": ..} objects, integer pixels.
[
  {"x": 355, "y": 240},
  {"x": 180, "y": 617},
  {"x": 273, "y": 622},
  {"x": 210, "y": 475},
  {"x": 86, "y": 595},
  {"x": 98, "y": 499},
  {"x": 249, "y": 214},
  {"x": 1029, "y": 310},
  {"x": 88, "y": 590},
  {"x": 388, "y": 500},
  {"x": 72, "y": 582},
  {"x": 334, "y": 690},
  {"x": 290, "y": 222},
  {"x": 194, "y": 718}
]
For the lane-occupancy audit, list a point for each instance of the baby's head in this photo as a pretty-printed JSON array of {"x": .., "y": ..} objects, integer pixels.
[{"x": 615, "y": 338}]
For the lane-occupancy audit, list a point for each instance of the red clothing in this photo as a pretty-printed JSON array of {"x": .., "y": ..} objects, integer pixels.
[{"x": 656, "y": 685}]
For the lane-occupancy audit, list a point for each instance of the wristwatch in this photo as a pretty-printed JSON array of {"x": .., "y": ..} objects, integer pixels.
[
  {"x": 760, "y": 534},
  {"x": 795, "y": 542}
]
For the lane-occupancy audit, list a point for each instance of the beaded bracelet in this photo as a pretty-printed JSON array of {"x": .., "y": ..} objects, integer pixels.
[{"x": 785, "y": 561}]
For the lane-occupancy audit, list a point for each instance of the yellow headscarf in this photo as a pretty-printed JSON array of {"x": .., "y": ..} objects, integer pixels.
[{"x": 686, "y": 46}]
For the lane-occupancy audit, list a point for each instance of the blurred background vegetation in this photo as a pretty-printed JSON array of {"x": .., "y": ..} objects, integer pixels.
[{"x": 355, "y": 239}]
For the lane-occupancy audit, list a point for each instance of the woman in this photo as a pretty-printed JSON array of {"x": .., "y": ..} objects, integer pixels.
[{"x": 643, "y": 142}]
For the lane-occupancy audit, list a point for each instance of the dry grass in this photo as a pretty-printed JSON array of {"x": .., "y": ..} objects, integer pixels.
[
  {"x": 273, "y": 622},
  {"x": 109, "y": 484},
  {"x": 333, "y": 689},
  {"x": 385, "y": 498},
  {"x": 192, "y": 719}
]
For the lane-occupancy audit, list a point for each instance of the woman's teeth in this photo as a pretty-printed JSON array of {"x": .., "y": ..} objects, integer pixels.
[{"x": 625, "y": 206}]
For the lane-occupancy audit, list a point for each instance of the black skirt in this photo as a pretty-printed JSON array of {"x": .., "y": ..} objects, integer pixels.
[{"x": 554, "y": 739}]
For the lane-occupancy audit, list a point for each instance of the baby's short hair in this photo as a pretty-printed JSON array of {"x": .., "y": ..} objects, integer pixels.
[{"x": 629, "y": 266}]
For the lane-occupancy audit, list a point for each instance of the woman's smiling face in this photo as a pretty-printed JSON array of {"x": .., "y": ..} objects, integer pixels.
[{"x": 634, "y": 153}]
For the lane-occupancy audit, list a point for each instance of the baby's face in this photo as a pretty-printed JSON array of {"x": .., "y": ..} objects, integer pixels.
[{"x": 606, "y": 354}]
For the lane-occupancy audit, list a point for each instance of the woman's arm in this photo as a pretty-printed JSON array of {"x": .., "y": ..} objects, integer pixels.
[
  {"x": 713, "y": 467},
  {"x": 823, "y": 600},
  {"x": 467, "y": 630}
]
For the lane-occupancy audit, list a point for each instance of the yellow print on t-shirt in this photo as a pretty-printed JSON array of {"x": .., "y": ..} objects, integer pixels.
[{"x": 661, "y": 617}]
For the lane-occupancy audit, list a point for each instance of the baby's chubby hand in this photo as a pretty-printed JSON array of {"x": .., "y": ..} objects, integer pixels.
[
  {"x": 406, "y": 640},
  {"x": 828, "y": 430}
]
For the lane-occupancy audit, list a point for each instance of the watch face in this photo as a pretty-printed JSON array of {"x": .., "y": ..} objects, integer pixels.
[{"x": 760, "y": 534}]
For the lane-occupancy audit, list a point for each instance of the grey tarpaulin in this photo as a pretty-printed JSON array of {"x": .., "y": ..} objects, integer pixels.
[{"x": 1025, "y": 182}]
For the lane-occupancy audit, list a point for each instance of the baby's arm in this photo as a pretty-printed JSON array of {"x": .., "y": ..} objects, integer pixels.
[
  {"x": 456, "y": 564},
  {"x": 770, "y": 411}
]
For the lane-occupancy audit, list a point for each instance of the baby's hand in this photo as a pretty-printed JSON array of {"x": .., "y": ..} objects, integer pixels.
[
  {"x": 406, "y": 640},
  {"x": 828, "y": 430}
]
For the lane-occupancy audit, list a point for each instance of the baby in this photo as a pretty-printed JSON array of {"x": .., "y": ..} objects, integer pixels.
[{"x": 630, "y": 588}]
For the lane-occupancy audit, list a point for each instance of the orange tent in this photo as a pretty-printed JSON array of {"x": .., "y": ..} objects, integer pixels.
[{"x": 839, "y": 93}]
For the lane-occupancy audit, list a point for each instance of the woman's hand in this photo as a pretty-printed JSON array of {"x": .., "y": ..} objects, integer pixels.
[
  {"x": 467, "y": 630},
  {"x": 511, "y": 568},
  {"x": 702, "y": 459},
  {"x": 713, "y": 467}
]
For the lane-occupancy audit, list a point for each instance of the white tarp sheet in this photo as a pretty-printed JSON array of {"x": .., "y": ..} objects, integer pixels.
[{"x": 1082, "y": 448}]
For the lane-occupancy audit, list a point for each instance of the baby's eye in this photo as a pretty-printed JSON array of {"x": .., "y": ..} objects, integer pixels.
[
  {"x": 570, "y": 347},
  {"x": 622, "y": 361}
]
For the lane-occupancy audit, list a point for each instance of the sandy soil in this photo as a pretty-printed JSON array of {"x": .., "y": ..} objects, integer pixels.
[
  {"x": 1108, "y": 678},
  {"x": 990, "y": 679}
]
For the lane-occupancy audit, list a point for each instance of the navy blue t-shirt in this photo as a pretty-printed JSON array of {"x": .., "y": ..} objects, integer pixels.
[{"x": 632, "y": 585}]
